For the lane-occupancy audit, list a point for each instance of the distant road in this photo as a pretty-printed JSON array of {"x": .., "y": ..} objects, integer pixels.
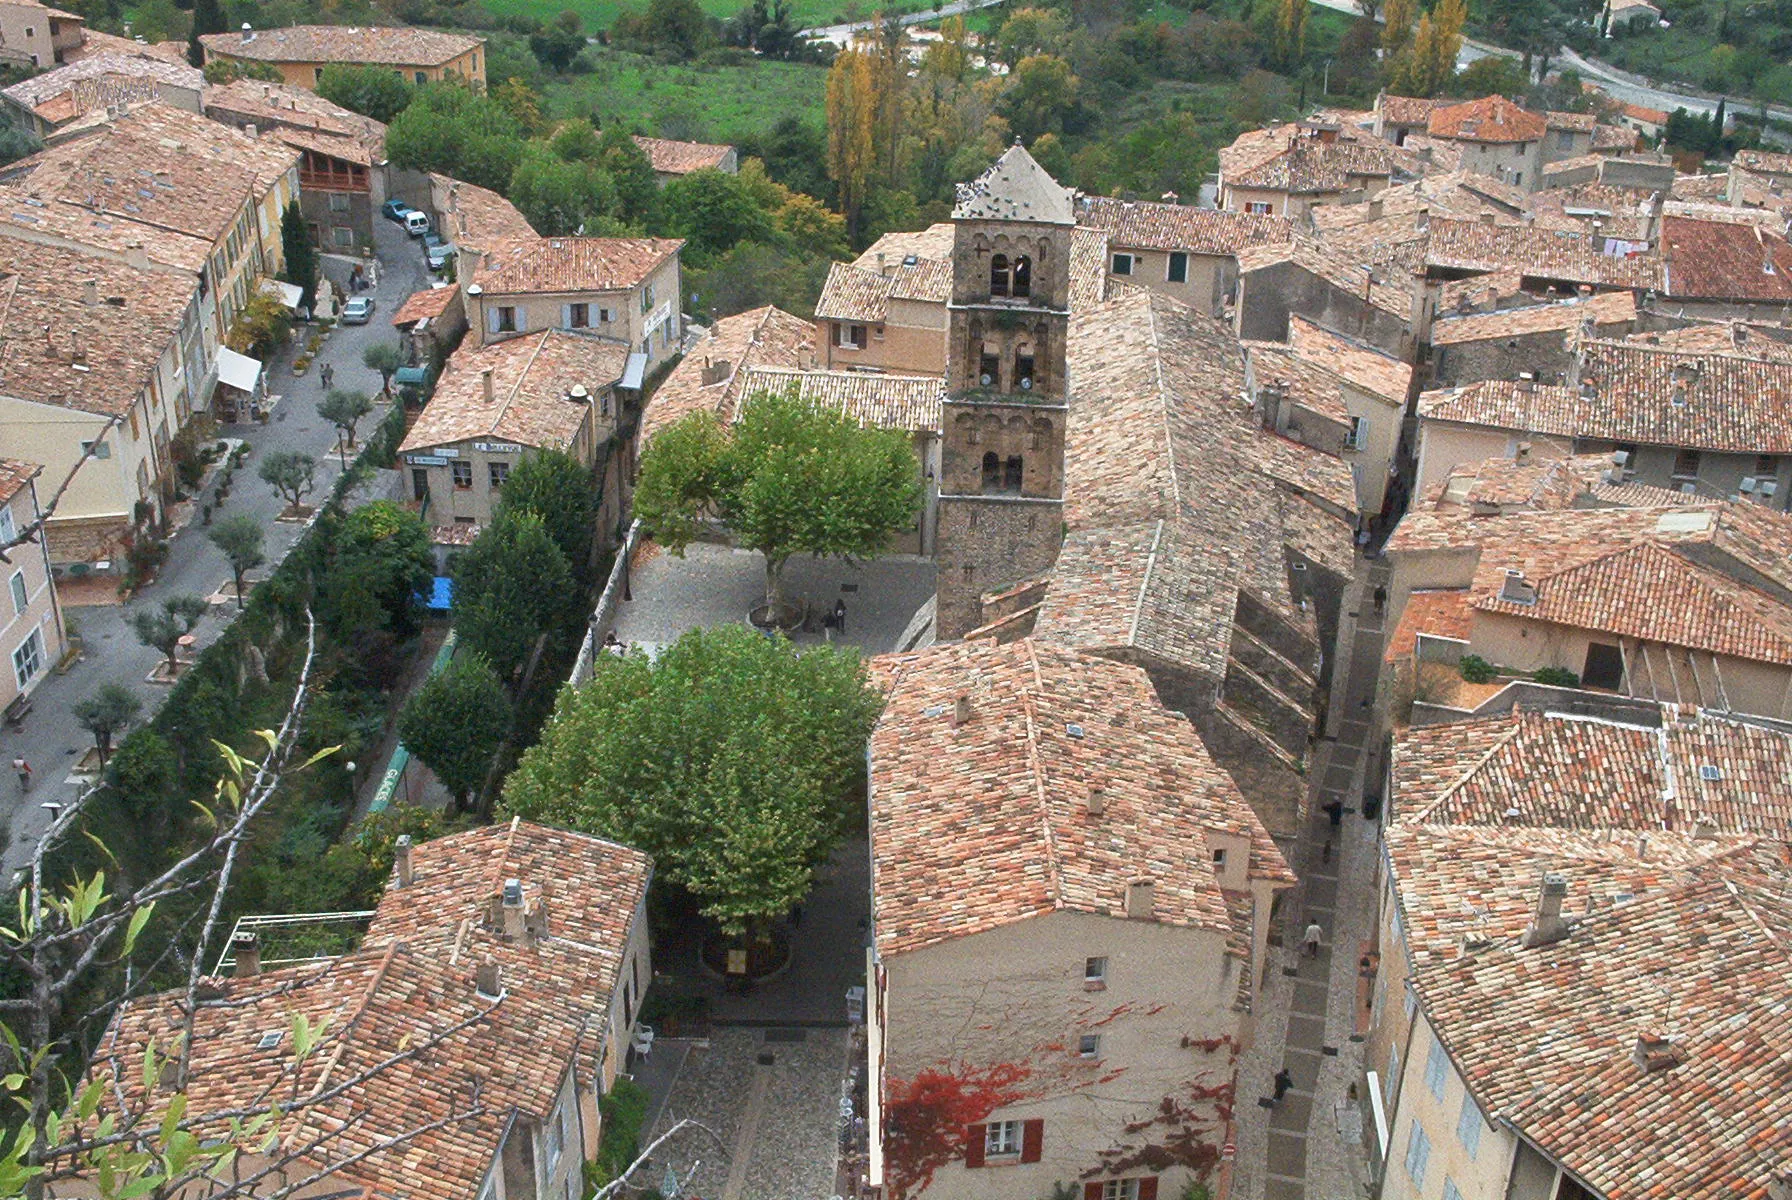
[{"x": 842, "y": 34}]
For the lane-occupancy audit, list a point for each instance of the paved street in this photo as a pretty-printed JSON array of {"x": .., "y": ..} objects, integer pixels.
[
  {"x": 1310, "y": 1145},
  {"x": 50, "y": 740}
]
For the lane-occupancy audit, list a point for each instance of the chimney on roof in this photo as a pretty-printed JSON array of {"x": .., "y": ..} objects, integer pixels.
[
  {"x": 881, "y": 269},
  {"x": 407, "y": 873},
  {"x": 1780, "y": 1186},
  {"x": 1516, "y": 589},
  {"x": 1375, "y": 209},
  {"x": 1654, "y": 1051},
  {"x": 714, "y": 370},
  {"x": 485, "y": 384},
  {"x": 90, "y": 292},
  {"x": 536, "y": 920},
  {"x": 1098, "y": 801},
  {"x": 961, "y": 711},
  {"x": 1703, "y": 827},
  {"x": 1489, "y": 218},
  {"x": 511, "y": 910},
  {"x": 488, "y": 981},
  {"x": 1172, "y": 198},
  {"x": 1547, "y": 924},
  {"x": 1141, "y": 900},
  {"x": 245, "y": 949},
  {"x": 1739, "y": 335},
  {"x": 248, "y": 32}
]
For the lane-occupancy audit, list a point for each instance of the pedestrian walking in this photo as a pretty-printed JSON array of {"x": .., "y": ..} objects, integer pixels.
[
  {"x": 23, "y": 770},
  {"x": 1315, "y": 935},
  {"x": 328, "y": 375},
  {"x": 1381, "y": 600},
  {"x": 1334, "y": 812},
  {"x": 1284, "y": 1081}
]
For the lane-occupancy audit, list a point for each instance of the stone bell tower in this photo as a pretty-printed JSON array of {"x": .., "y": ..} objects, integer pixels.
[{"x": 1001, "y": 502}]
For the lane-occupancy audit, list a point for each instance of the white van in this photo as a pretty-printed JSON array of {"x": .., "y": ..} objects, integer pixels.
[{"x": 415, "y": 223}]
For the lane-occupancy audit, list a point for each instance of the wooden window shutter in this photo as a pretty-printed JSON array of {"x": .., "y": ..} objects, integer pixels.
[
  {"x": 973, "y": 1144},
  {"x": 1032, "y": 1140},
  {"x": 566, "y": 316},
  {"x": 1148, "y": 1188},
  {"x": 1091, "y": 1191}
]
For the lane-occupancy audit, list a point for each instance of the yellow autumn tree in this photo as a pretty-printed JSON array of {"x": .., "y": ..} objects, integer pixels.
[
  {"x": 1290, "y": 34},
  {"x": 1396, "y": 32},
  {"x": 852, "y": 120},
  {"x": 1430, "y": 62}
]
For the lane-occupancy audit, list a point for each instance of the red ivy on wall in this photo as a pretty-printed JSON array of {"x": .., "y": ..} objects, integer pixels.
[{"x": 925, "y": 1118}]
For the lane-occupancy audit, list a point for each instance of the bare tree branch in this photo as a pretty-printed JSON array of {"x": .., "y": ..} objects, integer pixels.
[
  {"x": 616, "y": 1185},
  {"x": 44, "y": 512}
]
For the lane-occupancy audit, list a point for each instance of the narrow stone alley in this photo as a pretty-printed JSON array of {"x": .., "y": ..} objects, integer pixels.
[{"x": 1311, "y": 1021}]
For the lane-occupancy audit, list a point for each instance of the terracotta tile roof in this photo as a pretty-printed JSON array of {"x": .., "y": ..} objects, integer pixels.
[
  {"x": 1721, "y": 260},
  {"x": 1145, "y": 225},
  {"x": 1554, "y": 254},
  {"x": 1615, "y": 137},
  {"x": 301, "y": 118},
  {"x": 104, "y": 79},
  {"x": 681, "y": 158},
  {"x": 1700, "y": 187},
  {"x": 95, "y": 357},
  {"x": 910, "y": 402},
  {"x": 1568, "y": 772},
  {"x": 1173, "y": 492},
  {"x": 934, "y": 242},
  {"x": 1632, "y": 392},
  {"x": 1722, "y": 337},
  {"x": 1088, "y": 268},
  {"x": 1649, "y": 592},
  {"x": 1765, "y": 162},
  {"x": 430, "y": 302},
  {"x": 1312, "y": 167},
  {"x": 1441, "y": 194},
  {"x": 1492, "y": 119},
  {"x": 1553, "y": 172},
  {"x": 854, "y": 294},
  {"x": 898, "y": 266},
  {"x": 1308, "y": 383},
  {"x": 1374, "y": 371},
  {"x": 1571, "y": 122},
  {"x": 531, "y": 376},
  {"x": 759, "y": 337},
  {"x": 1385, "y": 289},
  {"x": 96, "y": 42},
  {"x": 1603, "y": 308},
  {"x": 1672, "y": 938},
  {"x": 71, "y": 224},
  {"x": 981, "y": 823},
  {"x": 1440, "y": 613},
  {"x": 474, "y": 217},
  {"x": 15, "y": 474},
  {"x": 1540, "y": 485},
  {"x": 1406, "y": 110},
  {"x": 1494, "y": 290},
  {"x": 509, "y": 266},
  {"x": 160, "y": 167},
  {"x": 407, "y": 986},
  {"x": 1637, "y": 112},
  {"x": 395, "y": 46}
]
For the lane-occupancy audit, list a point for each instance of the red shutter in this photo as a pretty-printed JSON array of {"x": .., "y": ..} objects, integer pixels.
[
  {"x": 973, "y": 1144},
  {"x": 1091, "y": 1191},
  {"x": 1032, "y": 1141},
  {"x": 1148, "y": 1188}
]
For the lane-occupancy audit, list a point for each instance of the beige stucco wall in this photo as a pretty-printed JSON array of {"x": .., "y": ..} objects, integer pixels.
[
  {"x": 1239, "y": 199},
  {"x": 1444, "y": 446},
  {"x": 900, "y": 349},
  {"x": 1211, "y": 277},
  {"x": 1016, "y": 996},
  {"x": 451, "y": 505},
  {"x": 468, "y": 66},
  {"x": 26, "y": 37},
  {"x": 31, "y": 564},
  {"x": 1516, "y": 163},
  {"x": 646, "y": 317},
  {"x": 1439, "y": 1112}
]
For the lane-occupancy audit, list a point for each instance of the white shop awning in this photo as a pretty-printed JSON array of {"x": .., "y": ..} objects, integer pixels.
[
  {"x": 634, "y": 370},
  {"x": 289, "y": 294},
  {"x": 238, "y": 370}
]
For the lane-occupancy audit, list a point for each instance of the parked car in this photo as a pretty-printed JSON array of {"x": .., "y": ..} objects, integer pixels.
[
  {"x": 358, "y": 311},
  {"x": 432, "y": 239},
  {"x": 416, "y": 224},
  {"x": 438, "y": 256},
  {"x": 396, "y": 210}
]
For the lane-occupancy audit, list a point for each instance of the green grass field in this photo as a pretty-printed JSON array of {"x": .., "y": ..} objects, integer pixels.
[
  {"x": 600, "y": 14},
  {"x": 719, "y": 104}
]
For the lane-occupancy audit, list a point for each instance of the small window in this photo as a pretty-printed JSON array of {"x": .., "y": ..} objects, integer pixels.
[
  {"x": 506, "y": 319},
  {"x": 100, "y": 449},
  {"x": 1258, "y": 208},
  {"x": 1767, "y": 465},
  {"x": 342, "y": 236},
  {"x": 1001, "y": 1137},
  {"x": 1418, "y": 1154},
  {"x": 30, "y": 31},
  {"x": 338, "y": 201},
  {"x": 578, "y": 316},
  {"x": 8, "y": 529},
  {"x": 422, "y": 77},
  {"x": 269, "y": 1040},
  {"x": 319, "y": 73},
  {"x": 463, "y": 475},
  {"x": 1219, "y": 858},
  {"x": 1023, "y": 372},
  {"x": 1095, "y": 971},
  {"x": 1359, "y": 434},
  {"x": 1120, "y": 1189},
  {"x": 1012, "y": 472},
  {"x": 1089, "y": 1045},
  {"x": 1023, "y": 277},
  {"x": 1468, "y": 1126},
  {"x": 989, "y": 370},
  {"x": 1123, "y": 264},
  {"x": 21, "y": 599},
  {"x": 992, "y": 471},
  {"x": 604, "y": 316},
  {"x": 1178, "y": 272},
  {"x": 497, "y": 473},
  {"x": 998, "y": 275},
  {"x": 852, "y": 337},
  {"x": 1709, "y": 772},
  {"x": 1686, "y": 464}
]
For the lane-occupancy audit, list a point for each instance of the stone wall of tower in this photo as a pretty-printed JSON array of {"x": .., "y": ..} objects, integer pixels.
[{"x": 1000, "y": 517}]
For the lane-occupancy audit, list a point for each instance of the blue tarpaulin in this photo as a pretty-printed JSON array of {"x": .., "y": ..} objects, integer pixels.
[
  {"x": 441, "y": 594},
  {"x": 410, "y": 376}
]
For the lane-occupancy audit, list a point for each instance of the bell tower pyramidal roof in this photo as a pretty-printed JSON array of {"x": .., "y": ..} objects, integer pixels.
[{"x": 1015, "y": 188}]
